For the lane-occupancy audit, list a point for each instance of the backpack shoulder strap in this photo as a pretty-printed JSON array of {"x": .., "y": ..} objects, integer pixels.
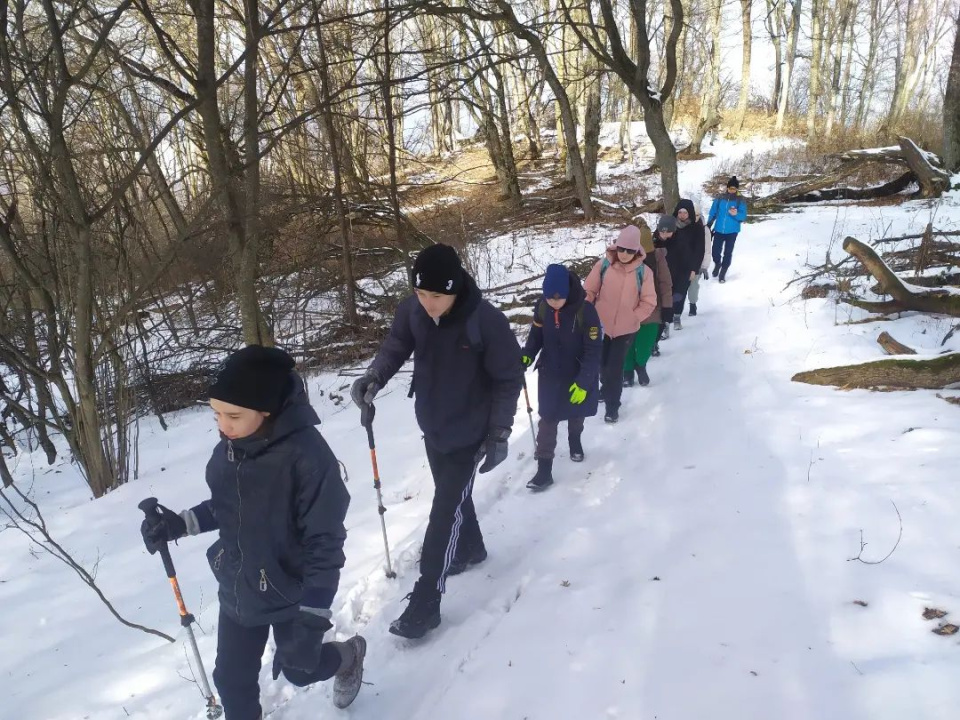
[
  {"x": 640, "y": 271},
  {"x": 604, "y": 267}
]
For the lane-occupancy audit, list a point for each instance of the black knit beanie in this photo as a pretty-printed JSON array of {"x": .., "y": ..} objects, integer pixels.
[
  {"x": 438, "y": 269},
  {"x": 254, "y": 377},
  {"x": 733, "y": 182}
]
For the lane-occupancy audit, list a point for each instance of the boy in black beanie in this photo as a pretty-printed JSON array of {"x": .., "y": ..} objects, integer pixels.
[
  {"x": 467, "y": 376},
  {"x": 278, "y": 502}
]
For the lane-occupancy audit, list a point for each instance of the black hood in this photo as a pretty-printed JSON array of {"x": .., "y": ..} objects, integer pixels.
[
  {"x": 691, "y": 210},
  {"x": 295, "y": 414},
  {"x": 576, "y": 295},
  {"x": 467, "y": 301}
]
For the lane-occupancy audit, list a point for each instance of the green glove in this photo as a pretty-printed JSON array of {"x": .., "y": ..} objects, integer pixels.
[
  {"x": 577, "y": 394},
  {"x": 526, "y": 360}
]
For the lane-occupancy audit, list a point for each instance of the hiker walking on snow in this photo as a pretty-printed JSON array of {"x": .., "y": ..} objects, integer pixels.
[
  {"x": 663, "y": 239},
  {"x": 566, "y": 336},
  {"x": 467, "y": 377},
  {"x": 646, "y": 338},
  {"x": 622, "y": 289},
  {"x": 685, "y": 256},
  {"x": 693, "y": 294},
  {"x": 726, "y": 214},
  {"x": 278, "y": 503}
]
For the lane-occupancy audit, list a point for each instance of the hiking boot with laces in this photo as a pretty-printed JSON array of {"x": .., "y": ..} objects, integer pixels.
[
  {"x": 422, "y": 613},
  {"x": 466, "y": 559},
  {"x": 349, "y": 678}
]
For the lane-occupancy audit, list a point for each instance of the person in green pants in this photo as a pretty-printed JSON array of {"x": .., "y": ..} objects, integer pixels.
[{"x": 646, "y": 338}]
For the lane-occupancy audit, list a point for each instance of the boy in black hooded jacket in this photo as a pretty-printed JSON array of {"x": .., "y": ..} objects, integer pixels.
[
  {"x": 467, "y": 377},
  {"x": 278, "y": 502}
]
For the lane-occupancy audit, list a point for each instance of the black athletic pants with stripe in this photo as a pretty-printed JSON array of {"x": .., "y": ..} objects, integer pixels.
[{"x": 453, "y": 520}]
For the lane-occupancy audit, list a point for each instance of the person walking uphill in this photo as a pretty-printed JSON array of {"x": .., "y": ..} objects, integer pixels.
[
  {"x": 278, "y": 502},
  {"x": 693, "y": 294},
  {"x": 726, "y": 214},
  {"x": 646, "y": 337},
  {"x": 467, "y": 377},
  {"x": 566, "y": 335},
  {"x": 685, "y": 256},
  {"x": 622, "y": 289}
]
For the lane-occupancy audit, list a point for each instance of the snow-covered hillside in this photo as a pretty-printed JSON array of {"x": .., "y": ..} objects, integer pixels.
[{"x": 697, "y": 565}]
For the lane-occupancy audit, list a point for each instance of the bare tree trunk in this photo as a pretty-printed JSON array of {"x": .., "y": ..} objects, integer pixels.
[
  {"x": 869, "y": 67},
  {"x": 816, "y": 61},
  {"x": 710, "y": 105},
  {"x": 746, "y": 7},
  {"x": 336, "y": 161},
  {"x": 794, "y": 34},
  {"x": 591, "y": 121},
  {"x": 387, "y": 90},
  {"x": 951, "y": 111},
  {"x": 774, "y": 24}
]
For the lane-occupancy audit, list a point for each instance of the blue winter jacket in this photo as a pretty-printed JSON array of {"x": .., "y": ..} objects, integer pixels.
[
  {"x": 570, "y": 343},
  {"x": 462, "y": 391},
  {"x": 279, "y": 503},
  {"x": 720, "y": 218}
]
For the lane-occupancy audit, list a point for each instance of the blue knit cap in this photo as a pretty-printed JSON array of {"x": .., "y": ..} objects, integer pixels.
[{"x": 556, "y": 283}]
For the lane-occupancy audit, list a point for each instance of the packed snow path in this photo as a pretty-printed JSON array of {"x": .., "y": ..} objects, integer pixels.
[{"x": 697, "y": 565}]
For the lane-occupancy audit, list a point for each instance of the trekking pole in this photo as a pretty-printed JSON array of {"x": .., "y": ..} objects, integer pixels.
[
  {"x": 214, "y": 710},
  {"x": 526, "y": 396},
  {"x": 366, "y": 419}
]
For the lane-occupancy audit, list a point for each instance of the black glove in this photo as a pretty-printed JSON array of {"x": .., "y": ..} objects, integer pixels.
[
  {"x": 666, "y": 314},
  {"x": 495, "y": 449},
  {"x": 163, "y": 527},
  {"x": 365, "y": 389},
  {"x": 301, "y": 651}
]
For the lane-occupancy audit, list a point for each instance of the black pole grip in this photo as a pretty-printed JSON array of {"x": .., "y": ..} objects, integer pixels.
[
  {"x": 367, "y": 413},
  {"x": 151, "y": 506}
]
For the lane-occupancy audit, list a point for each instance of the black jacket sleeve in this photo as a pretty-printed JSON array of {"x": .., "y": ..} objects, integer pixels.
[
  {"x": 398, "y": 345},
  {"x": 321, "y": 505},
  {"x": 501, "y": 360},
  {"x": 589, "y": 375}
]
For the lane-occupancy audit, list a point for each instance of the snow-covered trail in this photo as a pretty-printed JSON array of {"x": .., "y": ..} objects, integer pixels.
[{"x": 742, "y": 493}]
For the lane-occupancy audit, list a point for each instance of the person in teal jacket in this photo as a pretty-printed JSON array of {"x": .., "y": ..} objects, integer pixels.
[{"x": 726, "y": 214}]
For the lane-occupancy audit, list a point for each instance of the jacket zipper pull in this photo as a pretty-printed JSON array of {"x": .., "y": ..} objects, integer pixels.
[
  {"x": 556, "y": 318},
  {"x": 263, "y": 580},
  {"x": 217, "y": 560},
  {"x": 230, "y": 455}
]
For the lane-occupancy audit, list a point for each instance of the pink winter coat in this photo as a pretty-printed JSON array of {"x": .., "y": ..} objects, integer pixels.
[{"x": 621, "y": 308}]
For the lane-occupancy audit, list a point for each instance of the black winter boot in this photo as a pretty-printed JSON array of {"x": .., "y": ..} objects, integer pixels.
[
  {"x": 576, "y": 448},
  {"x": 466, "y": 559},
  {"x": 628, "y": 379},
  {"x": 544, "y": 477},
  {"x": 656, "y": 350},
  {"x": 422, "y": 613},
  {"x": 693, "y": 309},
  {"x": 716, "y": 270},
  {"x": 612, "y": 416},
  {"x": 644, "y": 379},
  {"x": 723, "y": 275}
]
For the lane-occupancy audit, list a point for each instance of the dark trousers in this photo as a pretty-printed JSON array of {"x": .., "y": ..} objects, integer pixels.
[
  {"x": 723, "y": 249},
  {"x": 237, "y": 670},
  {"x": 611, "y": 373},
  {"x": 547, "y": 435},
  {"x": 453, "y": 519},
  {"x": 679, "y": 300}
]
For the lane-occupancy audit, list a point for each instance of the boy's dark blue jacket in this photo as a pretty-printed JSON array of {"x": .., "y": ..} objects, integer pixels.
[
  {"x": 279, "y": 502},
  {"x": 462, "y": 391},
  {"x": 570, "y": 344}
]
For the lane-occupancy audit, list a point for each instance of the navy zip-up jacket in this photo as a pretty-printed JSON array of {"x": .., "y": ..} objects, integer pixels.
[
  {"x": 279, "y": 503},
  {"x": 462, "y": 392}
]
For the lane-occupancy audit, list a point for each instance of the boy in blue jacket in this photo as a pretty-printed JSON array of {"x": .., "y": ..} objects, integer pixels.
[
  {"x": 726, "y": 214},
  {"x": 566, "y": 333},
  {"x": 278, "y": 503}
]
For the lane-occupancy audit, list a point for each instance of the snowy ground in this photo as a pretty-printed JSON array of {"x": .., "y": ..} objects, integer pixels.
[{"x": 697, "y": 565}]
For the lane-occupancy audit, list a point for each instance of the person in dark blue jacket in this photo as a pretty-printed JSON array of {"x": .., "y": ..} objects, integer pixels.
[
  {"x": 566, "y": 333},
  {"x": 467, "y": 377},
  {"x": 278, "y": 502},
  {"x": 726, "y": 215}
]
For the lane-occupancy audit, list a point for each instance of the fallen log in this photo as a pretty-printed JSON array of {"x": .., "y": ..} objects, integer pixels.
[
  {"x": 933, "y": 181},
  {"x": 892, "y": 346},
  {"x": 899, "y": 373},
  {"x": 933, "y": 301},
  {"x": 893, "y": 187}
]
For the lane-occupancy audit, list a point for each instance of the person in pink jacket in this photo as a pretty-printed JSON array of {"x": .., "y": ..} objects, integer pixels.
[{"x": 623, "y": 290}]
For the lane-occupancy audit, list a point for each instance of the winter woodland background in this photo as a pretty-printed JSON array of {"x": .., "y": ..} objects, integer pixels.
[{"x": 180, "y": 178}]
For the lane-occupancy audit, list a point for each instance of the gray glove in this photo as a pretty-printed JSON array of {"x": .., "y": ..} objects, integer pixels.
[
  {"x": 704, "y": 274},
  {"x": 365, "y": 389}
]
